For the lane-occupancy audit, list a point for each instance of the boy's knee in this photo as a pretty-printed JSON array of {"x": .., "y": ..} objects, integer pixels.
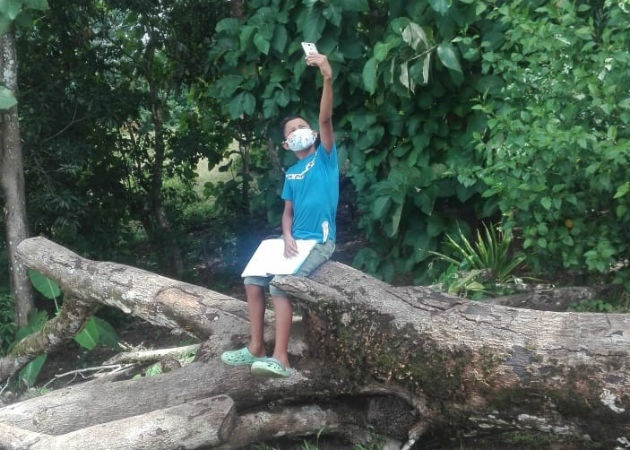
[{"x": 255, "y": 281}]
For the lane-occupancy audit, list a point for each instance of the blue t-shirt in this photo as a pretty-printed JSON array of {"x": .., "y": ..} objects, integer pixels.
[{"x": 312, "y": 184}]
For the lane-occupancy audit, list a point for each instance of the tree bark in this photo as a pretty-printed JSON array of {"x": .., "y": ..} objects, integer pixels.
[
  {"x": 62, "y": 328},
  {"x": 475, "y": 363},
  {"x": 12, "y": 182},
  {"x": 162, "y": 235},
  {"x": 446, "y": 364},
  {"x": 199, "y": 423}
]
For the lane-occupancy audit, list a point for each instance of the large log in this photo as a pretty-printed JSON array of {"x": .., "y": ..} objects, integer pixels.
[
  {"x": 462, "y": 366},
  {"x": 205, "y": 422},
  {"x": 182, "y": 307},
  {"x": 475, "y": 364}
]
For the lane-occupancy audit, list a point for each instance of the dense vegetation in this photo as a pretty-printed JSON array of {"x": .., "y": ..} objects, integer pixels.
[{"x": 448, "y": 115}]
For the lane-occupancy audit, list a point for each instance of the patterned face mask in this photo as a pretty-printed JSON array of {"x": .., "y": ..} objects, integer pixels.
[{"x": 300, "y": 139}]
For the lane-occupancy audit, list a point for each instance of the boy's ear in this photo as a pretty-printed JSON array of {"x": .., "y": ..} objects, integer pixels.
[{"x": 285, "y": 145}]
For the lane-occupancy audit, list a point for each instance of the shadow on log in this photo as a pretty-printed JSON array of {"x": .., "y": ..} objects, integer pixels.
[{"x": 448, "y": 364}]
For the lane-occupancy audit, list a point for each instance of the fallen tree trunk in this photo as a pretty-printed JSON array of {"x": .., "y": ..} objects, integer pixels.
[
  {"x": 73, "y": 315},
  {"x": 205, "y": 422},
  {"x": 459, "y": 366},
  {"x": 475, "y": 363},
  {"x": 183, "y": 307}
]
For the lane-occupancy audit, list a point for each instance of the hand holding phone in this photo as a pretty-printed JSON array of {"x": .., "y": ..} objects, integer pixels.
[{"x": 309, "y": 48}]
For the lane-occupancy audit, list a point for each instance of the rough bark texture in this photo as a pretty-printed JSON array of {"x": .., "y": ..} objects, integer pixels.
[
  {"x": 403, "y": 360},
  {"x": 165, "y": 302},
  {"x": 475, "y": 363},
  {"x": 12, "y": 183},
  {"x": 205, "y": 422},
  {"x": 73, "y": 315}
]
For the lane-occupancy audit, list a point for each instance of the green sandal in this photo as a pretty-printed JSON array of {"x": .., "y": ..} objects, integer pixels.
[
  {"x": 240, "y": 357},
  {"x": 270, "y": 367}
]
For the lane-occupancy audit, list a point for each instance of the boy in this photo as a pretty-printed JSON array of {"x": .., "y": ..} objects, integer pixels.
[{"x": 310, "y": 194}]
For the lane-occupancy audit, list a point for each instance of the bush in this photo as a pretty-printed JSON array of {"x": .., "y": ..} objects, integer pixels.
[{"x": 556, "y": 144}]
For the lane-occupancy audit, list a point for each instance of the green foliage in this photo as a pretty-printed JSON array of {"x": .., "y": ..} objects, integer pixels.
[
  {"x": 97, "y": 331},
  {"x": 29, "y": 373},
  {"x": 97, "y": 168},
  {"x": 19, "y": 12},
  {"x": 7, "y": 322},
  {"x": 463, "y": 284},
  {"x": 7, "y": 100},
  {"x": 44, "y": 285},
  {"x": 557, "y": 135},
  {"x": 35, "y": 321},
  {"x": 490, "y": 251},
  {"x": 453, "y": 111},
  {"x": 600, "y": 305},
  {"x": 399, "y": 108}
]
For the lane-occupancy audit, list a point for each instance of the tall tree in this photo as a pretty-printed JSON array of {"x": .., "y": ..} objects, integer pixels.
[
  {"x": 12, "y": 182},
  {"x": 118, "y": 122}
]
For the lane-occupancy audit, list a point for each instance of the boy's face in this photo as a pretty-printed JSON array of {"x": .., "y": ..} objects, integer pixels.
[{"x": 293, "y": 125}]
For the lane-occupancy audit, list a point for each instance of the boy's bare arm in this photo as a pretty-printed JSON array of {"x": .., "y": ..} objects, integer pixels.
[
  {"x": 290, "y": 246},
  {"x": 326, "y": 103}
]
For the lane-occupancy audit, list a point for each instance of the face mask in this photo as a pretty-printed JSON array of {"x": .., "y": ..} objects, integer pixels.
[{"x": 300, "y": 139}]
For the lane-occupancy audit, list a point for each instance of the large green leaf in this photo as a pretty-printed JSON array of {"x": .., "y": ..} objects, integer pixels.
[
  {"x": 440, "y": 6},
  {"x": 229, "y": 24},
  {"x": 106, "y": 333},
  {"x": 405, "y": 78},
  {"x": 10, "y": 8},
  {"x": 89, "y": 336},
  {"x": 396, "y": 218},
  {"x": 446, "y": 53},
  {"x": 261, "y": 43},
  {"x": 381, "y": 205},
  {"x": 44, "y": 285},
  {"x": 7, "y": 100},
  {"x": 243, "y": 103},
  {"x": 369, "y": 75},
  {"x": 249, "y": 103},
  {"x": 29, "y": 373},
  {"x": 414, "y": 35},
  {"x": 280, "y": 39},
  {"x": 312, "y": 24},
  {"x": 97, "y": 331}
]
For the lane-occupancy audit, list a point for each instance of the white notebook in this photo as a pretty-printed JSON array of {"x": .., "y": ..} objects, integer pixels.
[{"x": 269, "y": 258}]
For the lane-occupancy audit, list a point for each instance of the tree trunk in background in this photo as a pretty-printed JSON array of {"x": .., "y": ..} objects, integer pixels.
[
  {"x": 162, "y": 235},
  {"x": 243, "y": 148},
  {"x": 12, "y": 182}
]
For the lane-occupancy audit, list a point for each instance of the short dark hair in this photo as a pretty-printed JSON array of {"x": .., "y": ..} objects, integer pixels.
[{"x": 288, "y": 119}]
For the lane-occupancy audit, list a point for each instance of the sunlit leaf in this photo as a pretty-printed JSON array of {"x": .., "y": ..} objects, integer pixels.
[
  {"x": 44, "y": 285},
  {"x": 414, "y": 35},
  {"x": 7, "y": 100},
  {"x": 29, "y": 373},
  {"x": 369, "y": 75},
  {"x": 88, "y": 337},
  {"x": 440, "y": 6}
]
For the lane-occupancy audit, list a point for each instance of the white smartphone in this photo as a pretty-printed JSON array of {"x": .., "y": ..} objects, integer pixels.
[{"x": 309, "y": 48}]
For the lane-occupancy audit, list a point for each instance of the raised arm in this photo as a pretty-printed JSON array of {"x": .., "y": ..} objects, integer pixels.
[{"x": 326, "y": 102}]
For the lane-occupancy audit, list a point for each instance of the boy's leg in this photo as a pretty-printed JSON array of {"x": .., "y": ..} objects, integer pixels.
[
  {"x": 256, "y": 308},
  {"x": 284, "y": 317},
  {"x": 283, "y": 309}
]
